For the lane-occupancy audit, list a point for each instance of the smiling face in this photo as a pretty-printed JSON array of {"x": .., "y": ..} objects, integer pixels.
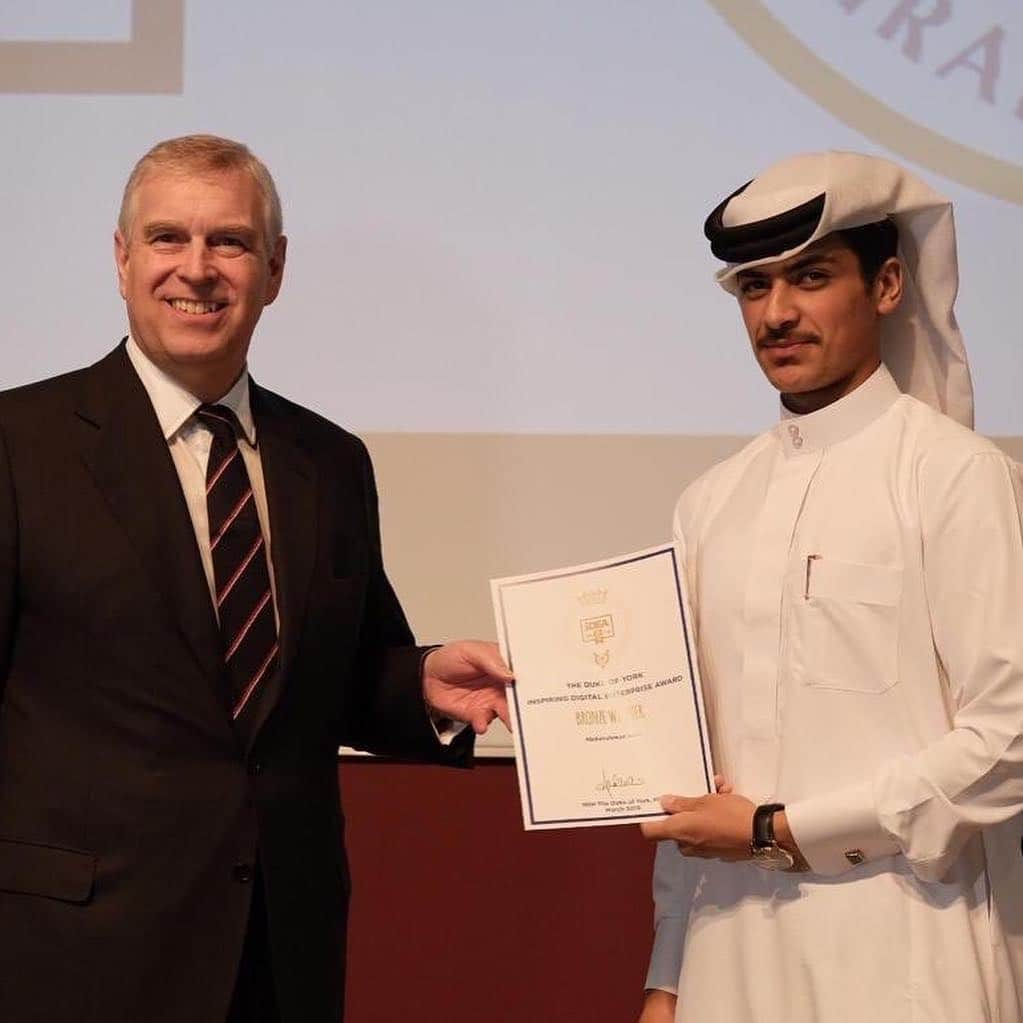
[
  {"x": 195, "y": 270},
  {"x": 815, "y": 323}
]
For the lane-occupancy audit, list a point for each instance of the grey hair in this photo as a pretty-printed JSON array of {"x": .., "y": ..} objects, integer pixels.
[{"x": 198, "y": 153}]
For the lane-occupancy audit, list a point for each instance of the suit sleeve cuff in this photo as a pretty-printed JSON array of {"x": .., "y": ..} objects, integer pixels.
[{"x": 839, "y": 830}]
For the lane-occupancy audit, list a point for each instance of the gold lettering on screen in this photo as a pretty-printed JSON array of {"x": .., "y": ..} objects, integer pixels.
[{"x": 977, "y": 63}]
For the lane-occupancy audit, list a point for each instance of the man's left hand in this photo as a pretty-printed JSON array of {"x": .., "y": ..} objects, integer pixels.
[
  {"x": 465, "y": 680},
  {"x": 718, "y": 826}
]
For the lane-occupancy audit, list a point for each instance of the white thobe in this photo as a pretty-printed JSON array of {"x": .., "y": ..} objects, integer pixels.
[{"x": 856, "y": 576}]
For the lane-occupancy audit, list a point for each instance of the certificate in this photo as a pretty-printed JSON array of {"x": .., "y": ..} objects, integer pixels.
[{"x": 606, "y": 709}]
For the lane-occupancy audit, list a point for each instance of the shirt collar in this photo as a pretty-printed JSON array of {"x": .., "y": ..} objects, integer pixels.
[
  {"x": 801, "y": 435},
  {"x": 175, "y": 405}
]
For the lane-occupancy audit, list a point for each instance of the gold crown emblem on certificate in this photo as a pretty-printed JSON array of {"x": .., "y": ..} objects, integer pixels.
[{"x": 591, "y": 598}]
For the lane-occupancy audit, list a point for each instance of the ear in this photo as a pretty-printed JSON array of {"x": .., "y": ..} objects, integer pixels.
[
  {"x": 121, "y": 260},
  {"x": 888, "y": 286},
  {"x": 276, "y": 267}
]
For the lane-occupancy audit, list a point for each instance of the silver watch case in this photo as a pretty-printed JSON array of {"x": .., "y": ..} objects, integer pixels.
[{"x": 772, "y": 857}]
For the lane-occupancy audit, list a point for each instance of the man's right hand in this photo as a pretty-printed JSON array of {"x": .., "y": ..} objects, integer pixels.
[{"x": 659, "y": 1007}]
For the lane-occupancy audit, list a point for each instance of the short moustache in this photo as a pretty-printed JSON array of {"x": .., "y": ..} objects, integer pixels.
[{"x": 777, "y": 342}]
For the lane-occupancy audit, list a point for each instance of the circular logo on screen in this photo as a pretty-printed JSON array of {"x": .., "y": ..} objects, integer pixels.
[{"x": 939, "y": 81}]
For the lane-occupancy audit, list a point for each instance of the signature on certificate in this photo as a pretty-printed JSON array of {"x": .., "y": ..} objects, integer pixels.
[{"x": 609, "y": 782}]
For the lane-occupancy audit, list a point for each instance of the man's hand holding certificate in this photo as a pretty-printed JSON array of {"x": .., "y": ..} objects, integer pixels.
[{"x": 607, "y": 714}]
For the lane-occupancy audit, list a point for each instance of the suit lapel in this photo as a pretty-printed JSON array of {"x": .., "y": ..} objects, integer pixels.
[
  {"x": 131, "y": 463},
  {"x": 290, "y": 477}
]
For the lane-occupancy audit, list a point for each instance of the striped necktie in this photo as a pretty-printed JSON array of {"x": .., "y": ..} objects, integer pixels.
[{"x": 245, "y": 607}]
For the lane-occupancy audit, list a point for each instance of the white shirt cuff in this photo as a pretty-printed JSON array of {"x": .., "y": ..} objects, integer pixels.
[
  {"x": 838, "y": 831},
  {"x": 446, "y": 729}
]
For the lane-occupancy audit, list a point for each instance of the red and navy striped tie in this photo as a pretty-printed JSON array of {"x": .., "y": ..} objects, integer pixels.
[{"x": 245, "y": 606}]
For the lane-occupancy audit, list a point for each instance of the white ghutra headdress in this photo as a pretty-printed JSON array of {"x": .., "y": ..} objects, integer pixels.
[{"x": 804, "y": 198}]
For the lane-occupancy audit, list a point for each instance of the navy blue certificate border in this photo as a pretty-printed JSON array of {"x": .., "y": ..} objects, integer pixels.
[{"x": 671, "y": 551}]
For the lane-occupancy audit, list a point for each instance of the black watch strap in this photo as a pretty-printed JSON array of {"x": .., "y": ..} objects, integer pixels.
[{"x": 763, "y": 825}]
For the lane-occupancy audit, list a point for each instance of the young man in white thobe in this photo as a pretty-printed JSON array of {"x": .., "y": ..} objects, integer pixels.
[{"x": 856, "y": 577}]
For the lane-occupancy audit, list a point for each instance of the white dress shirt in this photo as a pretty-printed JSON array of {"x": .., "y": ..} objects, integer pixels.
[
  {"x": 189, "y": 440},
  {"x": 856, "y": 576}
]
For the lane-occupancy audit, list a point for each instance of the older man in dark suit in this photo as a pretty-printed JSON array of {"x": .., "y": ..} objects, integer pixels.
[{"x": 193, "y": 615}]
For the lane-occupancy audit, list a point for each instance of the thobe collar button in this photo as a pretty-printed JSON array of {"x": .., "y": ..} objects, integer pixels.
[{"x": 802, "y": 435}]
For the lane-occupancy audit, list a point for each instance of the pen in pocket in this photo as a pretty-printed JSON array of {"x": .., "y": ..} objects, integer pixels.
[{"x": 810, "y": 559}]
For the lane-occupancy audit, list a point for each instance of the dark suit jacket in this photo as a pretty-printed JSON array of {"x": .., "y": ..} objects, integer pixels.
[{"x": 131, "y": 809}]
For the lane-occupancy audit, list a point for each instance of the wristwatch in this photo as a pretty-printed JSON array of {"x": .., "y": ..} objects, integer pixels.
[{"x": 764, "y": 848}]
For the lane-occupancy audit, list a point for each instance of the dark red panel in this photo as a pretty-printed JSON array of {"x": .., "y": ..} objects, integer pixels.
[{"x": 459, "y": 916}]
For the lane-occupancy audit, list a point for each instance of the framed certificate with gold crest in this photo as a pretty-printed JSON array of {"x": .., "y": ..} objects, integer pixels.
[{"x": 607, "y": 713}]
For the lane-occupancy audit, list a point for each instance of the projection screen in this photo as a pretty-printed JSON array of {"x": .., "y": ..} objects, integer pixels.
[{"x": 496, "y": 268}]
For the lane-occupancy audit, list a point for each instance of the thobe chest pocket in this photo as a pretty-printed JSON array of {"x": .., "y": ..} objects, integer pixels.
[{"x": 846, "y": 617}]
